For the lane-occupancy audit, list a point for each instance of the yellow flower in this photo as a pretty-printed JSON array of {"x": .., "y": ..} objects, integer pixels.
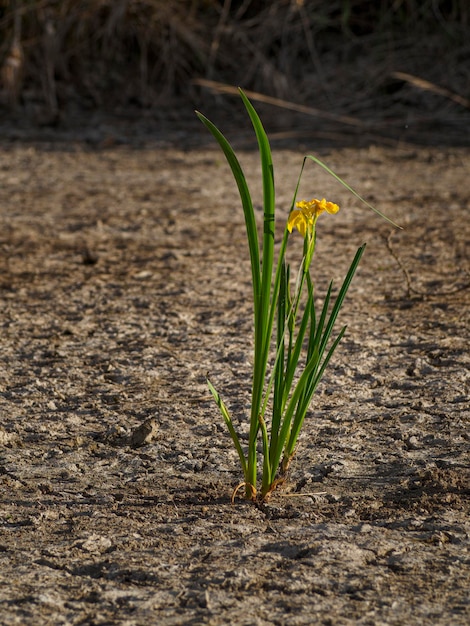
[{"x": 306, "y": 214}]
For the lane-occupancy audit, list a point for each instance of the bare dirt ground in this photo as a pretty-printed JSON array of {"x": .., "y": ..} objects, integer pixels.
[{"x": 124, "y": 282}]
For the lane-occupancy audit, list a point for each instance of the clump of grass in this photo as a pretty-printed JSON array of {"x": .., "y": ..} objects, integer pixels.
[
  {"x": 105, "y": 53},
  {"x": 109, "y": 53},
  {"x": 294, "y": 339}
]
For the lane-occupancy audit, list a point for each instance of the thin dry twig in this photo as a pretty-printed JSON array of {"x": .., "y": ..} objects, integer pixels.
[
  {"x": 421, "y": 83},
  {"x": 240, "y": 486},
  {"x": 278, "y": 102},
  {"x": 410, "y": 288}
]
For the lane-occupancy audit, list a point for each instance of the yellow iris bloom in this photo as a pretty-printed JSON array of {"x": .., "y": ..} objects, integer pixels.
[{"x": 306, "y": 214}]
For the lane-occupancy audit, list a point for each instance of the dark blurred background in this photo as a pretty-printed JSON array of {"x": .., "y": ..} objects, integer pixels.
[{"x": 394, "y": 70}]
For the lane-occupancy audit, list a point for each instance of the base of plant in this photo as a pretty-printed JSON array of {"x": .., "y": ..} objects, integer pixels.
[
  {"x": 252, "y": 495},
  {"x": 272, "y": 488}
]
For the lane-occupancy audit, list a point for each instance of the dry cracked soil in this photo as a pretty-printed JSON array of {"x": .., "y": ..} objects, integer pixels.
[{"x": 124, "y": 282}]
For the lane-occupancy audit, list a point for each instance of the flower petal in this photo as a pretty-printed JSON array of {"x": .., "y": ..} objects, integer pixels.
[
  {"x": 329, "y": 207},
  {"x": 297, "y": 220}
]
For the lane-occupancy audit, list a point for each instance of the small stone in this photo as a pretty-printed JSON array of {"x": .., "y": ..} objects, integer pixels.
[
  {"x": 145, "y": 433},
  {"x": 95, "y": 543}
]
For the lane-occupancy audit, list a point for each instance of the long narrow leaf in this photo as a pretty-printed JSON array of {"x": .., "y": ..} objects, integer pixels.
[
  {"x": 349, "y": 188},
  {"x": 267, "y": 473},
  {"x": 319, "y": 348},
  {"x": 295, "y": 356},
  {"x": 226, "y": 415},
  {"x": 258, "y": 300},
  {"x": 250, "y": 221},
  {"x": 278, "y": 372},
  {"x": 269, "y": 222},
  {"x": 307, "y": 398},
  {"x": 341, "y": 295},
  {"x": 268, "y": 196},
  {"x": 263, "y": 328},
  {"x": 287, "y": 422},
  {"x": 317, "y": 340}
]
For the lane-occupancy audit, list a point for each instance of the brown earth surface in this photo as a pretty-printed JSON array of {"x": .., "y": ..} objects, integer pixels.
[{"x": 124, "y": 282}]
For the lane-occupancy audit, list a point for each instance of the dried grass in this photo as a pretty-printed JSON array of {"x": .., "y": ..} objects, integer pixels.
[{"x": 341, "y": 56}]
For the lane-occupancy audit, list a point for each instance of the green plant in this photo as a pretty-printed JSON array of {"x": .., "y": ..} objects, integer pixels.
[{"x": 293, "y": 342}]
